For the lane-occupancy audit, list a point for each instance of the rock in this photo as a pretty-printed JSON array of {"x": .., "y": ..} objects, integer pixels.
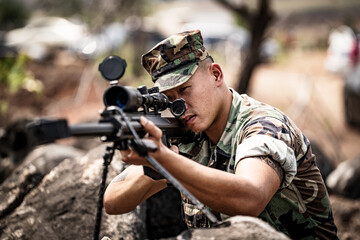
[
  {"x": 344, "y": 180},
  {"x": 30, "y": 173},
  {"x": 64, "y": 205},
  {"x": 238, "y": 227}
]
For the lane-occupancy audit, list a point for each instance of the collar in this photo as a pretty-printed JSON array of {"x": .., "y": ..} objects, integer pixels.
[{"x": 230, "y": 130}]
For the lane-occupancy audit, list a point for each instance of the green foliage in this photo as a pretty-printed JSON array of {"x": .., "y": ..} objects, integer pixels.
[
  {"x": 13, "y": 72},
  {"x": 15, "y": 76},
  {"x": 13, "y": 14}
]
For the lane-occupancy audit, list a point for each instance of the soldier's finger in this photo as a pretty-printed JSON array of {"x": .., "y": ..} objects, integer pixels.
[{"x": 150, "y": 127}]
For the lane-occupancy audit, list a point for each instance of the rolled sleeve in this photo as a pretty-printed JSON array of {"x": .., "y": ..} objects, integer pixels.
[{"x": 263, "y": 145}]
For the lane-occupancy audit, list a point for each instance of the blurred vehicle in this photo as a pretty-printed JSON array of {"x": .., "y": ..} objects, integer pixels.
[
  {"x": 43, "y": 35},
  {"x": 342, "y": 50},
  {"x": 352, "y": 96},
  {"x": 343, "y": 57},
  {"x": 352, "y": 86}
]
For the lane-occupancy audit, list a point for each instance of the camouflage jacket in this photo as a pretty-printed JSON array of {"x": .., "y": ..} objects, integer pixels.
[{"x": 301, "y": 207}]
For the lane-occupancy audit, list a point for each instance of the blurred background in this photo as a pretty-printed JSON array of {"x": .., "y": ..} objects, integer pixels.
[{"x": 301, "y": 56}]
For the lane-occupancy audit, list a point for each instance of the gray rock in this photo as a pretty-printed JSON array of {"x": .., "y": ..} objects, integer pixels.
[
  {"x": 238, "y": 227},
  {"x": 30, "y": 173},
  {"x": 344, "y": 180},
  {"x": 64, "y": 205}
]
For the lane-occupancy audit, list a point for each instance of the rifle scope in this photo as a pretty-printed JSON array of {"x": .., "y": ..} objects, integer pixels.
[{"x": 131, "y": 99}]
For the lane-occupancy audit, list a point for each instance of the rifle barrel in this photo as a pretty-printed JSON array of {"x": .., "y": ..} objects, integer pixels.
[{"x": 91, "y": 129}]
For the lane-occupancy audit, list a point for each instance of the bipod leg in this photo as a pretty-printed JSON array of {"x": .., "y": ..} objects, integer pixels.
[{"x": 108, "y": 156}]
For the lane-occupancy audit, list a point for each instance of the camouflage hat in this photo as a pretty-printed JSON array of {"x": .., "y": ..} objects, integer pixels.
[{"x": 174, "y": 60}]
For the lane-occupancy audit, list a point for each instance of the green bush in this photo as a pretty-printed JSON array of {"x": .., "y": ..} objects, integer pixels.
[
  {"x": 13, "y": 72},
  {"x": 15, "y": 76}
]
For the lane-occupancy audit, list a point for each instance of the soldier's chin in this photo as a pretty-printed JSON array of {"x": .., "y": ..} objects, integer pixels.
[{"x": 195, "y": 129}]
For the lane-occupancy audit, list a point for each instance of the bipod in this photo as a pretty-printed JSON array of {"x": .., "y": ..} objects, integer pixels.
[{"x": 108, "y": 156}]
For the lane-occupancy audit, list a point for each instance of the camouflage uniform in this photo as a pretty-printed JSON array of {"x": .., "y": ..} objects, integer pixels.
[{"x": 301, "y": 207}]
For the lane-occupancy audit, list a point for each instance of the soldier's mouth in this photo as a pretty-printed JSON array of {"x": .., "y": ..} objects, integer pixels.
[{"x": 189, "y": 119}]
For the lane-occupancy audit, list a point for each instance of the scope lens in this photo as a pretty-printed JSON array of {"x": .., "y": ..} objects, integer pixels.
[
  {"x": 116, "y": 96},
  {"x": 127, "y": 98},
  {"x": 121, "y": 100},
  {"x": 178, "y": 108}
]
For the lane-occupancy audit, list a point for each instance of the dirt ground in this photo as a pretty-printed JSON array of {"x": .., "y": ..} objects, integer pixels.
[{"x": 298, "y": 85}]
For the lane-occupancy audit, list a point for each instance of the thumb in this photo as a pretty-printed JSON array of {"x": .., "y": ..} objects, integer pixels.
[{"x": 174, "y": 149}]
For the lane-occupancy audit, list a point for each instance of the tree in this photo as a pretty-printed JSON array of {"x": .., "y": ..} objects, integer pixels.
[{"x": 258, "y": 22}]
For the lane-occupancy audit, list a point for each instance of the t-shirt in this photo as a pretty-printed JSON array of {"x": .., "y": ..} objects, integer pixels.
[{"x": 301, "y": 207}]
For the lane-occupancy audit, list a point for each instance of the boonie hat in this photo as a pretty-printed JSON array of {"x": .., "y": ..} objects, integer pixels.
[{"x": 174, "y": 60}]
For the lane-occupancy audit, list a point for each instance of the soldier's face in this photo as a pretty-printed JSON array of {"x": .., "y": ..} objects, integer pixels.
[{"x": 200, "y": 95}]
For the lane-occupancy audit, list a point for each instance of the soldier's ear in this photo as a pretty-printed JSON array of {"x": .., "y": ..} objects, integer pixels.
[{"x": 217, "y": 72}]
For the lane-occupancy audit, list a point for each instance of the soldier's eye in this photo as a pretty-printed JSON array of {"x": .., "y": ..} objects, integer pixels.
[{"x": 183, "y": 89}]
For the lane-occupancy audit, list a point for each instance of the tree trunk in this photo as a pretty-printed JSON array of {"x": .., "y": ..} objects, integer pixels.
[{"x": 258, "y": 23}]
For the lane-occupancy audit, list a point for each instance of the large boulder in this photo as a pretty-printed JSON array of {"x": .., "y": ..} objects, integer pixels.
[
  {"x": 30, "y": 173},
  {"x": 64, "y": 204},
  {"x": 48, "y": 197}
]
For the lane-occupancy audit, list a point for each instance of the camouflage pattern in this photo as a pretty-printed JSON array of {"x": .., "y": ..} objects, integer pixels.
[
  {"x": 174, "y": 60},
  {"x": 301, "y": 207}
]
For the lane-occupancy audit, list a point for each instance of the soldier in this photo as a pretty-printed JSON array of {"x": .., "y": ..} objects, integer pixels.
[{"x": 249, "y": 158}]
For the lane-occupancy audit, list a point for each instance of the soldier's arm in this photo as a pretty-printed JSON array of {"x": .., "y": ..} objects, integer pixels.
[
  {"x": 130, "y": 188},
  {"x": 247, "y": 192}
]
